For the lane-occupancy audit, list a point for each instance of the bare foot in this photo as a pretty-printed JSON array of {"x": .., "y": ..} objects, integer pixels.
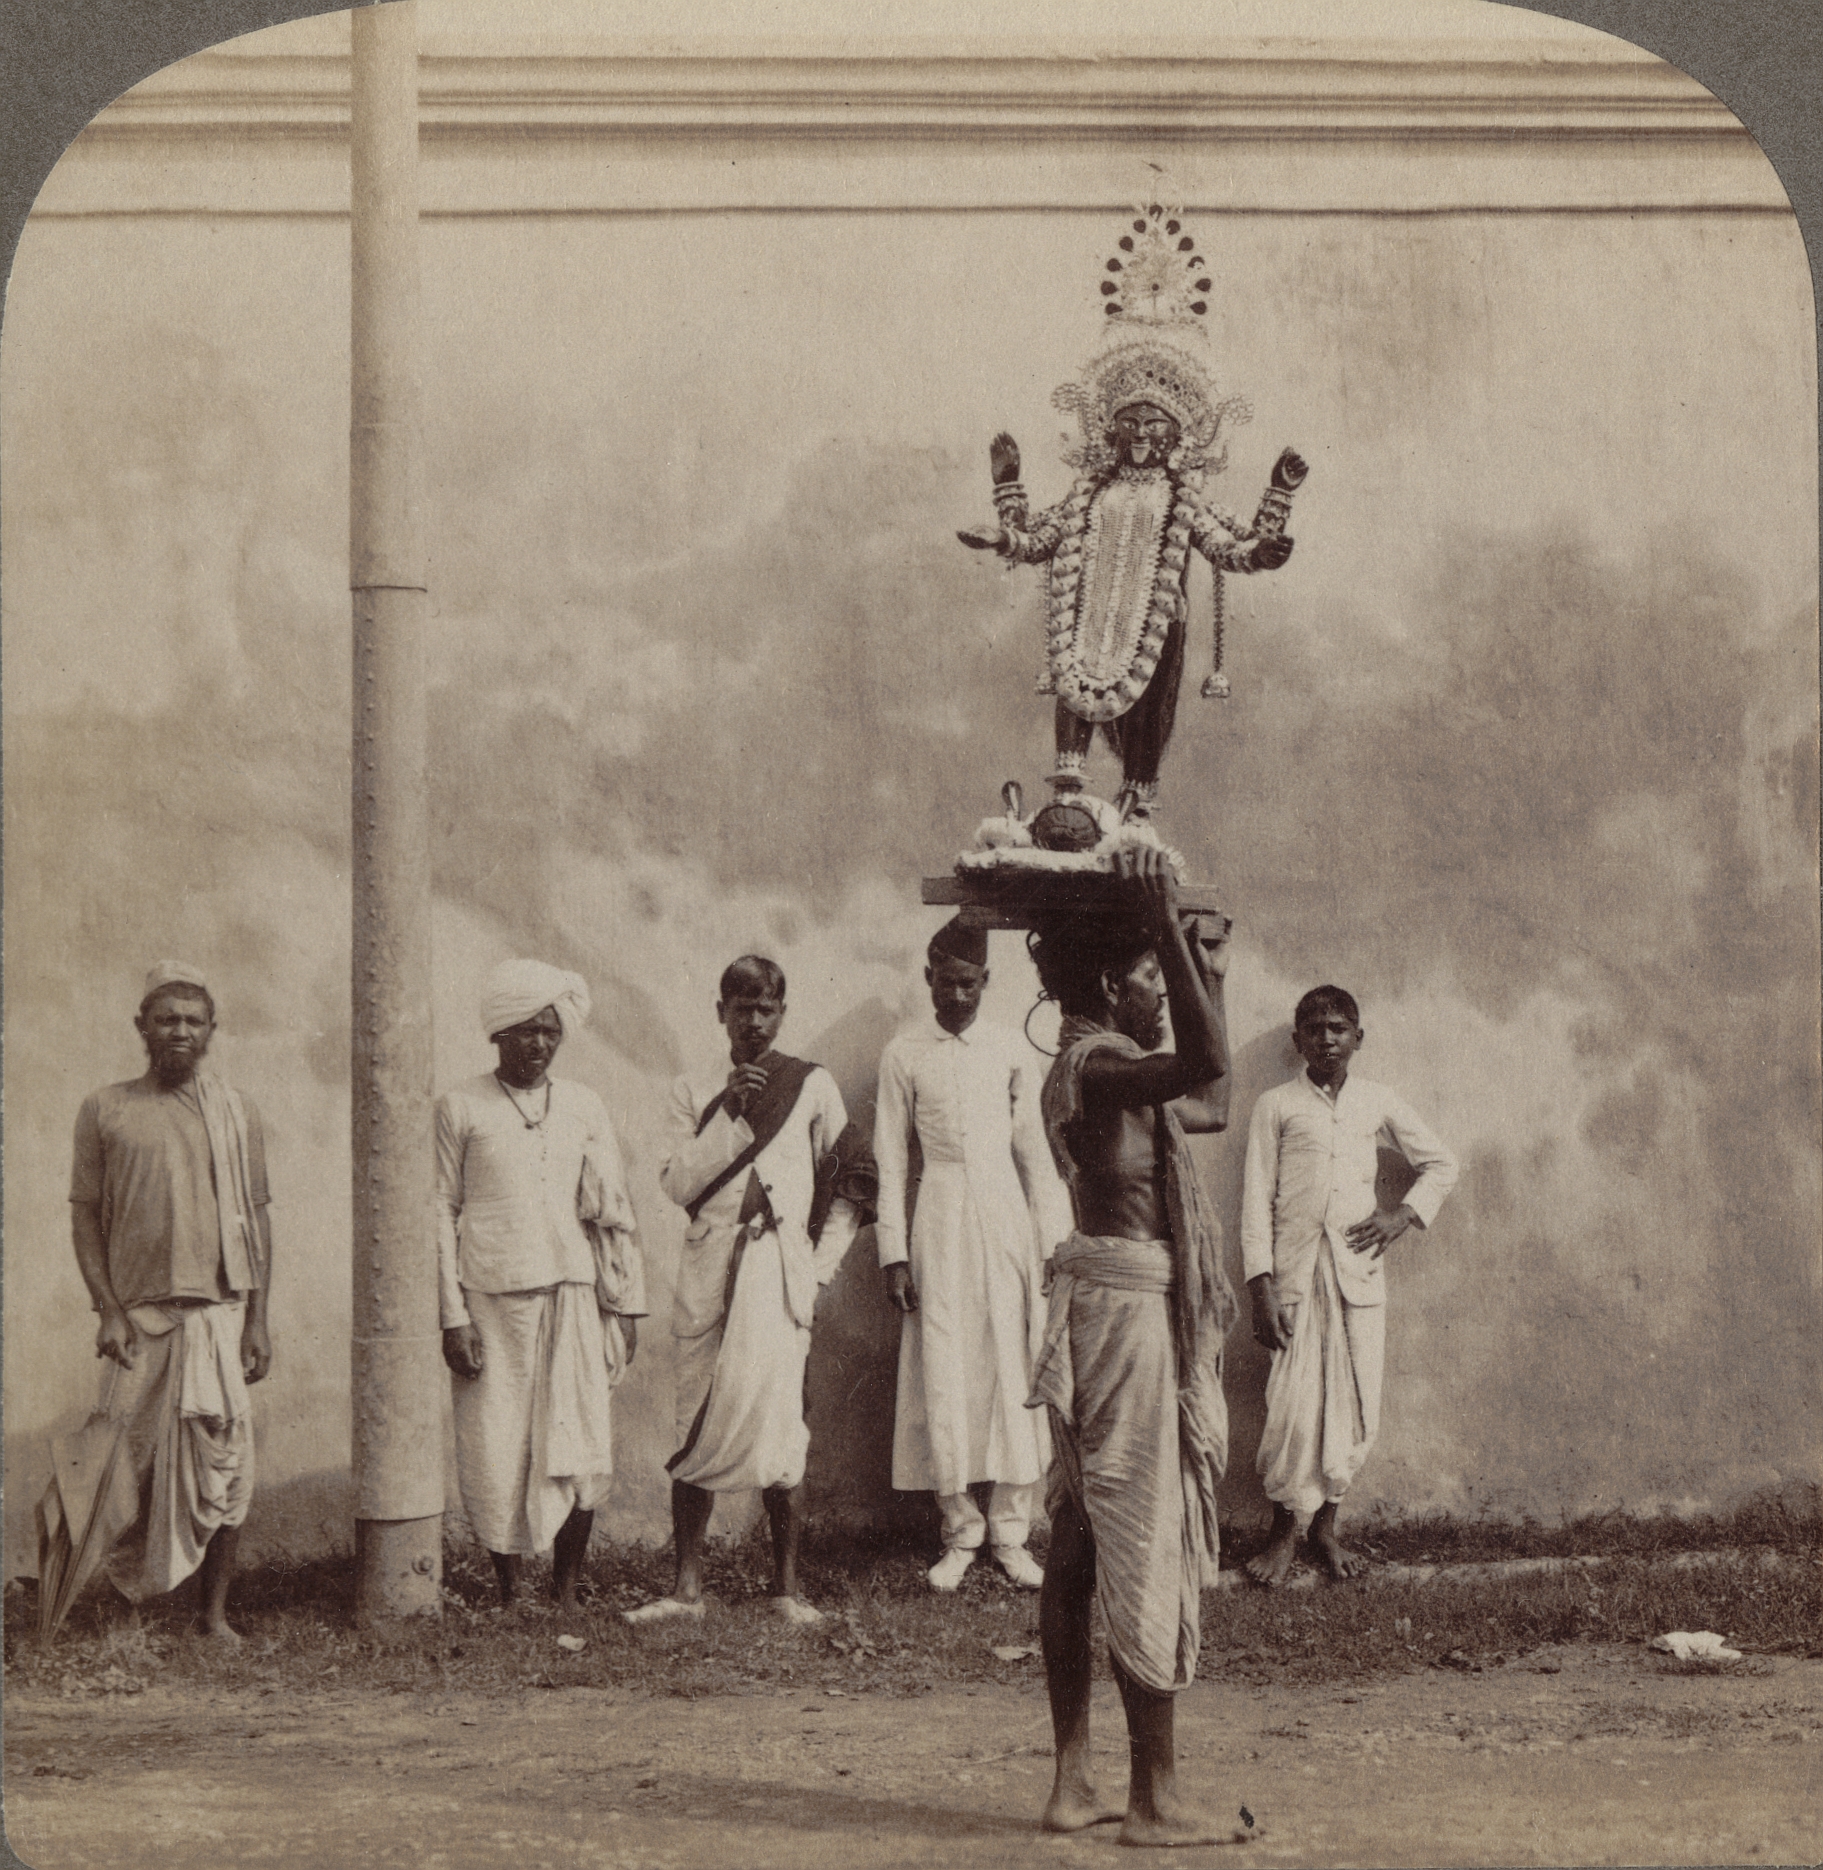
[
  {"x": 1341, "y": 1562},
  {"x": 1171, "y": 1822},
  {"x": 1075, "y": 1807},
  {"x": 566, "y": 1604},
  {"x": 664, "y": 1610},
  {"x": 1273, "y": 1566},
  {"x": 222, "y": 1634}
]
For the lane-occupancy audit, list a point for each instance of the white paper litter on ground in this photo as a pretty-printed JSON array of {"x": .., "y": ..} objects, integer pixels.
[{"x": 1695, "y": 1645}]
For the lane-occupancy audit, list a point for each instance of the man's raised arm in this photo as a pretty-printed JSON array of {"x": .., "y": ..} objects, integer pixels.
[
  {"x": 1201, "y": 1053},
  {"x": 694, "y": 1161},
  {"x": 1205, "y": 1109}
]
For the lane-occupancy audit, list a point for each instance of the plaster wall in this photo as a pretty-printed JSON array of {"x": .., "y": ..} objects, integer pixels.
[{"x": 1522, "y": 745}]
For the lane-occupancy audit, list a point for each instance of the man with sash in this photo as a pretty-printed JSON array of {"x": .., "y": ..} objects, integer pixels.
[
  {"x": 168, "y": 1206},
  {"x": 1131, "y": 1366},
  {"x": 776, "y": 1182}
]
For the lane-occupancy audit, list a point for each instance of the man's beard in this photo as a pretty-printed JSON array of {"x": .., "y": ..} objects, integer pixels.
[{"x": 175, "y": 1066}]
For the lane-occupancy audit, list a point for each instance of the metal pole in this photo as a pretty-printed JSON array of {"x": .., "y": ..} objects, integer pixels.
[{"x": 397, "y": 1368}]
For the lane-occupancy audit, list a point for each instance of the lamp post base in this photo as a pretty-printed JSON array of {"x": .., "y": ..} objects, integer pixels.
[{"x": 398, "y": 1569}]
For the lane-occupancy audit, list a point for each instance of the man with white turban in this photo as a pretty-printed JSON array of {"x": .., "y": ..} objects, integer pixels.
[
  {"x": 168, "y": 1205},
  {"x": 541, "y": 1280}
]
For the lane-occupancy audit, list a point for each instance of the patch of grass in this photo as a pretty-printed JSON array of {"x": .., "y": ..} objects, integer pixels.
[
  {"x": 1444, "y": 1539},
  {"x": 885, "y": 1632},
  {"x": 1366, "y": 1627}
]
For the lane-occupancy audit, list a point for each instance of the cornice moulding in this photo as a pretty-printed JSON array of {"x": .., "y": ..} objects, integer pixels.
[
  {"x": 1377, "y": 128},
  {"x": 588, "y": 90}
]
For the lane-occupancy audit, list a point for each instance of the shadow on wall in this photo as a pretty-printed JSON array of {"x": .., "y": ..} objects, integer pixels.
[
  {"x": 852, "y": 1382},
  {"x": 1570, "y": 773},
  {"x": 1257, "y": 1066}
]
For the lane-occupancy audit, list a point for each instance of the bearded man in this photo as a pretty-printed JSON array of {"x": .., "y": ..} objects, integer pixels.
[
  {"x": 168, "y": 1202},
  {"x": 541, "y": 1281}
]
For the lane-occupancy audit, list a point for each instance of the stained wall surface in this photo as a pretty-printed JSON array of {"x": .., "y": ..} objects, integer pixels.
[{"x": 1522, "y": 744}]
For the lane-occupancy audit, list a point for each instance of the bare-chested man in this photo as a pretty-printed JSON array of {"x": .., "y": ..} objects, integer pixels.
[{"x": 1131, "y": 1365}]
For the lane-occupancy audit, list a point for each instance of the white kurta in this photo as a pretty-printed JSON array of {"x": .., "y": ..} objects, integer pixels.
[
  {"x": 991, "y": 1208},
  {"x": 741, "y": 1356},
  {"x": 534, "y": 1432},
  {"x": 1312, "y": 1157}
]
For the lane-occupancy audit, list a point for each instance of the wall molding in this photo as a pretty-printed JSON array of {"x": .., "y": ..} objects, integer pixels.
[{"x": 1271, "y": 127}]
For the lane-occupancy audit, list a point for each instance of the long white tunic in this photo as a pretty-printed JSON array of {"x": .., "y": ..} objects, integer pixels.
[
  {"x": 991, "y": 1208},
  {"x": 508, "y": 1213},
  {"x": 534, "y": 1432}
]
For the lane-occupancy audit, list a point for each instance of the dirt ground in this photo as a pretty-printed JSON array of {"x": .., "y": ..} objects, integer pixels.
[{"x": 1581, "y": 1756}]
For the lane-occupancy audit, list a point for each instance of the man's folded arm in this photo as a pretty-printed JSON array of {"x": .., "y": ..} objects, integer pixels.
[{"x": 695, "y": 1161}]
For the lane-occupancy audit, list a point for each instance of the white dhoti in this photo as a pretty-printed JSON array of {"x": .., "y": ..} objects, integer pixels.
[
  {"x": 1137, "y": 1451},
  {"x": 1322, "y": 1395},
  {"x": 740, "y": 1382},
  {"x": 533, "y": 1432},
  {"x": 189, "y": 1436}
]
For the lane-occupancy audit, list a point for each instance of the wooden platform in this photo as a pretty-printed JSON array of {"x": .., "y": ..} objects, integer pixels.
[{"x": 1017, "y": 899}]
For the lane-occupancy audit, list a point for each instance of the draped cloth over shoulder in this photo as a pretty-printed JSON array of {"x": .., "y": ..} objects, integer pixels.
[
  {"x": 606, "y": 1212},
  {"x": 1133, "y": 1325},
  {"x": 225, "y": 1118},
  {"x": 774, "y": 1198}
]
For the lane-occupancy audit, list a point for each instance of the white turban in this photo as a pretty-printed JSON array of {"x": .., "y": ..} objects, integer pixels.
[
  {"x": 174, "y": 974},
  {"x": 518, "y": 990}
]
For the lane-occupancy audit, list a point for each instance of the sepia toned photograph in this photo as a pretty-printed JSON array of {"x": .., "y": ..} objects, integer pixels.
[{"x": 912, "y": 948}]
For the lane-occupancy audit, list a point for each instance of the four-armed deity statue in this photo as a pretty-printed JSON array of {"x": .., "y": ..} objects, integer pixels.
[{"x": 1119, "y": 544}]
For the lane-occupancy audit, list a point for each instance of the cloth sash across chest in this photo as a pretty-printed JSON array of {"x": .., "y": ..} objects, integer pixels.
[{"x": 766, "y": 1113}]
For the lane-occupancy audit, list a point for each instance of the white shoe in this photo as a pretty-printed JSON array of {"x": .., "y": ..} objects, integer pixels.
[
  {"x": 662, "y": 1610},
  {"x": 795, "y": 1610},
  {"x": 1020, "y": 1566},
  {"x": 947, "y": 1572}
]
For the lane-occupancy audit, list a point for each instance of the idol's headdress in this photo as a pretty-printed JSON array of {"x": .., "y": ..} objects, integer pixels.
[{"x": 1154, "y": 349}]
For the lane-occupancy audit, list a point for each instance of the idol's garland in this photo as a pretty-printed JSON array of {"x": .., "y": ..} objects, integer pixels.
[{"x": 1105, "y": 685}]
